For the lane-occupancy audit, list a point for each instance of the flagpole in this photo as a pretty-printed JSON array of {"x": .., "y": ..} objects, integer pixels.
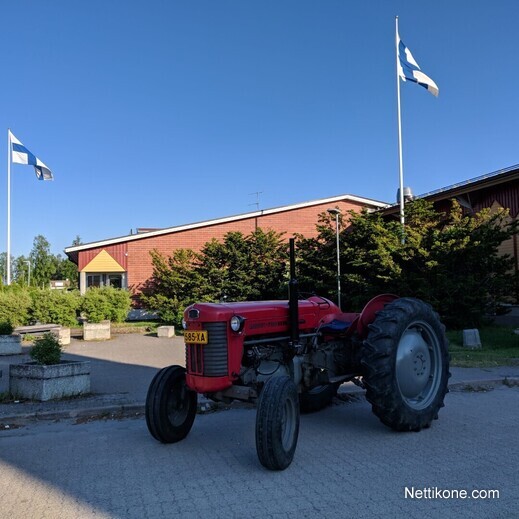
[
  {"x": 400, "y": 160},
  {"x": 8, "y": 259}
]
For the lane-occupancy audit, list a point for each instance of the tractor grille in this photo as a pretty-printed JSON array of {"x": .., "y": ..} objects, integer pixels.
[{"x": 209, "y": 359}]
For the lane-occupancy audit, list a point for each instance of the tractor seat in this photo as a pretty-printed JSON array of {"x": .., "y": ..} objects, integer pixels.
[{"x": 335, "y": 327}]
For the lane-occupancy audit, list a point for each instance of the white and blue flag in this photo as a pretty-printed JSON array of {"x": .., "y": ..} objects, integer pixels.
[
  {"x": 408, "y": 69},
  {"x": 21, "y": 155}
]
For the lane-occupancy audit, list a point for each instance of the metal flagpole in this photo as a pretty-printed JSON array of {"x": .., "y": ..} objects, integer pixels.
[
  {"x": 8, "y": 259},
  {"x": 400, "y": 160}
]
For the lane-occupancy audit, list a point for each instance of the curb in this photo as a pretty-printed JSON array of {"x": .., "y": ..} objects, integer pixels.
[{"x": 115, "y": 412}]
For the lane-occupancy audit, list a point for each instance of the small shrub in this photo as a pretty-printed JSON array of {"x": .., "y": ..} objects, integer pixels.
[
  {"x": 120, "y": 304},
  {"x": 6, "y": 328},
  {"x": 46, "y": 350},
  {"x": 14, "y": 305},
  {"x": 95, "y": 305},
  {"x": 99, "y": 304},
  {"x": 55, "y": 306}
]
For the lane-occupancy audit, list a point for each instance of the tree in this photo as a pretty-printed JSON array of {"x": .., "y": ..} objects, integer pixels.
[
  {"x": 451, "y": 260},
  {"x": 77, "y": 241},
  {"x": 65, "y": 269},
  {"x": 243, "y": 268},
  {"x": 43, "y": 263},
  {"x": 237, "y": 269},
  {"x": 21, "y": 270},
  {"x": 173, "y": 286},
  {"x": 317, "y": 258}
]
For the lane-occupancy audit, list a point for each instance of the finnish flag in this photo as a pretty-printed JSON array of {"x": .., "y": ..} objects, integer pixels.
[
  {"x": 408, "y": 69},
  {"x": 21, "y": 155}
]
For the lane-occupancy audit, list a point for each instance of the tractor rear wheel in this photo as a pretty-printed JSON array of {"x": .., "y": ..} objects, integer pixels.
[
  {"x": 170, "y": 405},
  {"x": 406, "y": 365},
  {"x": 277, "y": 423}
]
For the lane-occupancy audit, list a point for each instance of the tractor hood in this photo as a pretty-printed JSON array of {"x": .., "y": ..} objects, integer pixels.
[{"x": 261, "y": 317}]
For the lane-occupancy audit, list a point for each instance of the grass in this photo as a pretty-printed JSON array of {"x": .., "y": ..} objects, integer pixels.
[
  {"x": 500, "y": 347},
  {"x": 126, "y": 327},
  {"x": 136, "y": 327}
]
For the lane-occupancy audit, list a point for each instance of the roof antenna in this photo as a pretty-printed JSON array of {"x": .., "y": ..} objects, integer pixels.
[{"x": 257, "y": 202}]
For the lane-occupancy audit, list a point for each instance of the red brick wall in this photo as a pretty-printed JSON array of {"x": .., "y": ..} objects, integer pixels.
[{"x": 136, "y": 253}]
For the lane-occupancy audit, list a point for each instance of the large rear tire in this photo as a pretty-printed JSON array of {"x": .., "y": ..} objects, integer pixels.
[
  {"x": 277, "y": 423},
  {"x": 406, "y": 365},
  {"x": 170, "y": 405}
]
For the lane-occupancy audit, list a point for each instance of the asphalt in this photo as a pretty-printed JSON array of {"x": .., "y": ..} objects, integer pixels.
[{"x": 122, "y": 369}]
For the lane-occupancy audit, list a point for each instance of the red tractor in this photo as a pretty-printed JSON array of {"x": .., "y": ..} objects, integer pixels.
[{"x": 291, "y": 356}]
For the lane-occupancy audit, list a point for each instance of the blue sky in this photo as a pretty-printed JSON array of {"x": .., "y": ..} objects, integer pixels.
[{"x": 159, "y": 113}]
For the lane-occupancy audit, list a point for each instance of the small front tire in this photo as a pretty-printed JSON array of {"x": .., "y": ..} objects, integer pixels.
[
  {"x": 170, "y": 405},
  {"x": 277, "y": 423}
]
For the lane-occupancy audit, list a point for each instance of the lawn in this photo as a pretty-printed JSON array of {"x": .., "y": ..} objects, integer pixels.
[{"x": 500, "y": 347}]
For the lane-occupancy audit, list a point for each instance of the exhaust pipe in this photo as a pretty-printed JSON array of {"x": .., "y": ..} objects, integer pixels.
[{"x": 293, "y": 304}]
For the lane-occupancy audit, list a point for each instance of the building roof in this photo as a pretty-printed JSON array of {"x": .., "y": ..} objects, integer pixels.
[
  {"x": 467, "y": 186},
  {"x": 375, "y": 204}
]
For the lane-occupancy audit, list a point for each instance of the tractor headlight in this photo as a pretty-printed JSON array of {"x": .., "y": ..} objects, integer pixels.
[
  {"x": 184, "y": 324},
  {"x": 237, "y": 323}
]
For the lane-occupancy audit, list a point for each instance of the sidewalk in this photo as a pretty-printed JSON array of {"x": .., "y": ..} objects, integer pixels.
[{"x": 122, "y": 369}]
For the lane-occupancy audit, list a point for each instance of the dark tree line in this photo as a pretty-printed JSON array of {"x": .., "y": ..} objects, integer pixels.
[{"x": 449, "y": 259}]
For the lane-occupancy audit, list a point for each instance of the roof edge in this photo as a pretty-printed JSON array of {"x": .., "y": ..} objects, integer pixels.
[{"x": 206, "y": 223}]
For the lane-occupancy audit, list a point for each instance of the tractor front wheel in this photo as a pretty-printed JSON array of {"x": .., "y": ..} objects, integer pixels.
[
  {"x": 277, "y": 423},
  {"x": 170, "y": 405},
  {"x": 406, "y": 365}
]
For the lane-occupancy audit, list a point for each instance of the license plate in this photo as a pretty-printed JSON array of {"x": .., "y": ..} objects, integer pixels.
[{"x": 195, "y": 337}]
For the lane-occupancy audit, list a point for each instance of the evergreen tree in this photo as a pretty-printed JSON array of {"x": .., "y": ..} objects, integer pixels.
[{"x": 43, "y": 263}]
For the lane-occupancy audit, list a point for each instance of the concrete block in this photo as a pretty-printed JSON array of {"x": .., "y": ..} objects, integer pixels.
[
  {"x": 10, "y": 344},
  {"x": 471, "y": 339},
  {"x": 63, "y": 335},
  {"x": 166, "y": 331},
  {"x": 96, "y": 331},
  {"x": 37, "y": 382}
]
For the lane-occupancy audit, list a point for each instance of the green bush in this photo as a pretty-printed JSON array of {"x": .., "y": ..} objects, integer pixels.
[
  {"x": 46, "y": 350},
  {"x": 6, "y": 328},
  {"x": 99, "y": 304},
  {"x": 14, "y": 305},
  {"x": 55, "y": 306},
  {"x": 120, "y": 303}
]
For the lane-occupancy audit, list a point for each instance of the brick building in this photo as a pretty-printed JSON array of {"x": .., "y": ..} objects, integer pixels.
[{"x": 125, "y": 262}]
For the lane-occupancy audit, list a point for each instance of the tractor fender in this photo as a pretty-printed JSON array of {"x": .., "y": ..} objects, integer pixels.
[{"x": 369, "y": 312}]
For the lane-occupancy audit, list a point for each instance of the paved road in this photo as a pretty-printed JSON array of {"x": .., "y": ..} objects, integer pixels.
[{"x": 347, "y": 465}]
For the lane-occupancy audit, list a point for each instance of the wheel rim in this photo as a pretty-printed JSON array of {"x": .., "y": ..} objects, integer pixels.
[
  {"x": 288, "y": 424},
  {"x": 177, "y": 404},
  {"x": 418, "y": 365}
]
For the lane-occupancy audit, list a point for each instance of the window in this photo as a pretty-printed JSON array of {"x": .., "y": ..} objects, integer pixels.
[{"x": 105, "y": 280}]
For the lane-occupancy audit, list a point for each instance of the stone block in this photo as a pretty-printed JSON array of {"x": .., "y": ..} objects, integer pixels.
[
  {"x": 37, "y": 382},
  {"x": 63, "y": 335},
  {"x": 10, "y": 344},
  {"x": 96, "y": 331},
  {"x": 166, "y": 331},
  {"x": 471, "y": 339}
]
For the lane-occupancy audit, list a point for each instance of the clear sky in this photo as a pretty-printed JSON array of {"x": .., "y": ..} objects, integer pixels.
[{"x": 160, "y": 113}]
